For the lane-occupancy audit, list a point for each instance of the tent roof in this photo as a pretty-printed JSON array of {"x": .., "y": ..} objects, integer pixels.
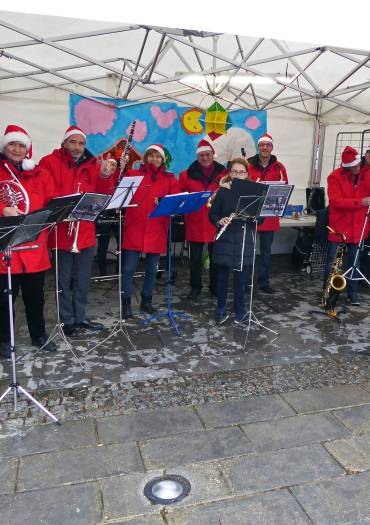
[{"x": 143, "y": 63}]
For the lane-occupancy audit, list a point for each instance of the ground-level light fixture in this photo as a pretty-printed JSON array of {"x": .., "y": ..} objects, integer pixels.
[{"x": 167, "y": 489}]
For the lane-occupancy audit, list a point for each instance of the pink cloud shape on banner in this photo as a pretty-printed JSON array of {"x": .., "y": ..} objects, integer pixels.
[
  {"x": 140, "y": 132},
  {"x": 93, "y": 117},
  {"x": 164, "y": 119},
  {"x": 252, "y": 122}
]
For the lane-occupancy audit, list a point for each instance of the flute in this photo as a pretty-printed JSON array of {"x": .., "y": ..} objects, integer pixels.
[{"x": 230, "y": 218}]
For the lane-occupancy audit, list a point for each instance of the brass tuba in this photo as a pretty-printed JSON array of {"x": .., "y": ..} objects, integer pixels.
[
  {"x": 335, "y": 283},
  {"x": 13, "y": 194}
]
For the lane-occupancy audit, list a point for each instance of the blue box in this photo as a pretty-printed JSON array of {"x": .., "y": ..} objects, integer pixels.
[{"x": 293, "y": 209}]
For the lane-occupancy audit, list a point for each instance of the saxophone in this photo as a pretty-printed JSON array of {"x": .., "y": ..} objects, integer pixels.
[{"x": 335, "y": 283}]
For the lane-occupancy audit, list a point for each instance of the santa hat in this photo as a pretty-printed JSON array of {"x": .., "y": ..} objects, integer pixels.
[
  {"x": 15, "y": 133},
  {"x": 265, "y": 138},
  {"x": 157, "y": 147},
  {"x": 350, "y": 157},
  {"x": 73, "y": 130},
  {"x": 204, "y": 145}
]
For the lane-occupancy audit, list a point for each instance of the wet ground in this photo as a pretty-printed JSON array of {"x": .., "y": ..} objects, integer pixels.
[{"x": 268, "y": 430}]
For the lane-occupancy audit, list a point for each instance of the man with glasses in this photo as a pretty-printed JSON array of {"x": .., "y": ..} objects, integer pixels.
[
  {"x": 202, "y": 175},
  {"x": 265, "y": 167}
]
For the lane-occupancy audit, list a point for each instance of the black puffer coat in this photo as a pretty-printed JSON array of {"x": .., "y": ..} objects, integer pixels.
[{"x": 228, "y": 249}]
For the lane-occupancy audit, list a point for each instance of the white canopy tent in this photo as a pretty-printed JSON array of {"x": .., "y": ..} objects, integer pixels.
[{"x": 43, "y": 59}]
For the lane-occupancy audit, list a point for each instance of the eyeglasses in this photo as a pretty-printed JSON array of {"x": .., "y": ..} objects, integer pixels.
[{"x": 234, "y": 172}]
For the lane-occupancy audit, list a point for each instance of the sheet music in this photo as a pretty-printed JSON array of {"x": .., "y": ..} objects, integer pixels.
[
  {"x": 276, "y": 200},
  {"x": 127, "y": 184}
]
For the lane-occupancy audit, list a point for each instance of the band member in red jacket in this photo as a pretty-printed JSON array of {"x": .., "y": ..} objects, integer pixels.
[
  {"x": 142, "y": 234},
  {"x": 28, "y": 267},
  {"x": 349, "y": 199},
  {"x": 203, "y": 174},
  {"x": 264, "y": 167},
  {"x": 75, "y": 170}
]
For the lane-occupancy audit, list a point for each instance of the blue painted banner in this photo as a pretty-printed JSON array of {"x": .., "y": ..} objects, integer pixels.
[{"x": 178, "y": 128}]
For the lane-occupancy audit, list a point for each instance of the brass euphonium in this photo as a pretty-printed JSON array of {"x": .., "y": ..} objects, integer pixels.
[
  {"x": 13, "y": 194},
  {"x": 335, "y": 283}
]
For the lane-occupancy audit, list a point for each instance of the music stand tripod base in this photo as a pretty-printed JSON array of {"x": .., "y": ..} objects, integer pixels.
[{"x": 170, "y": 315}]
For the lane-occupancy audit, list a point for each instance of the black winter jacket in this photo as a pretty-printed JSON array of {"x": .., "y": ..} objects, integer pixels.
[{"x": 228, "y": 249}]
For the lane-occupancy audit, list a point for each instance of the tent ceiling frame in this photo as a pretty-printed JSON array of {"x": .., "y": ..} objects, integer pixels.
[{"x": 174, "y": 39}]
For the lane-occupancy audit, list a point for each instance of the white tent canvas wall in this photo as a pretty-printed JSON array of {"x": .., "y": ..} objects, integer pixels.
[{"x": 44, "y": 59}]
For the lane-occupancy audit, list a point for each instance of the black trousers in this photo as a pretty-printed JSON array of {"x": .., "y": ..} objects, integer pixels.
[
  {"x": 32, "y": 286},
  {"x": 196, "y": 252},
  {"x": 103, "y": 232}
]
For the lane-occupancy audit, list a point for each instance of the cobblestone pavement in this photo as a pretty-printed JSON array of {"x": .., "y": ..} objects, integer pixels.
[{"x": 268, "y": 430}]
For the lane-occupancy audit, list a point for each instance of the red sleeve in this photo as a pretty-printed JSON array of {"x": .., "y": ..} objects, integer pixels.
[
  {"x": 49, "y": 185},
  {"x": 174, "y": 186},
  {"x": 336, "y": 198},
  {"x": 183, "y": 186},
  {"x": 283, "y": 173}
]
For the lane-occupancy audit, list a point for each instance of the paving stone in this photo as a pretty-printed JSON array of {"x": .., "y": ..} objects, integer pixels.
[
  {"x": 353, "y": 453},
  {"x": 123, "y": 496},
  {"x": 8, "y": 472},
  {"x": 327, "y": 398},
  {"x": 274, "y": 508},
  {"x": 194, "y": 447},
  {"x": 356, "y": 419},
  {"x": 294, "y": 431},
  {"x": 243, "y": 411},
  {"x": 342, "y": 501},
  {"x": 142, "y": 520},
  {"x": 131, "y": 427},
  {"x": 73, "y": 466},
  {"x": 75, "y": 505},
  {"x": 260, "y": 472},
  {"x": 47, "y": 438}
]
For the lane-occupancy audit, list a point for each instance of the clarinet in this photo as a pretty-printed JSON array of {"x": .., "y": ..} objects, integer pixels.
[
  {"x": 127, "y": 147},
  {"x": 230, "y": 217}
]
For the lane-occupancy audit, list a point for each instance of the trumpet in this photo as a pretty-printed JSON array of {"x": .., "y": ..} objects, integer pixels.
[{"x": 74, "y": 229}]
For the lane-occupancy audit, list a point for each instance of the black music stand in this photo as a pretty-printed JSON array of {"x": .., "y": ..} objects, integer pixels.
[
  {"x": 120, "y": 199},
  {"x": 168, "y": 207},
  {"x": 272, "y": 204},
  {"x": 354, "y": 269},
  {"x": 27, "y": 230},
  {"x": 60, "y": 209}
]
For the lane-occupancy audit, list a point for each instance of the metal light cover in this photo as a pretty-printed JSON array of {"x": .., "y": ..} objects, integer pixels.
[{"x": 167, "y": 489}]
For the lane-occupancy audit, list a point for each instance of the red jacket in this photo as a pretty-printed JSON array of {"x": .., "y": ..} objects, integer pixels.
[
  {"x": 198, "y": 227},
  {"x": 274, "y": 171},
  {"x": 140, "y": 233},
  {"x": 346, "y": 212},
  {"x": 39, "y": 185},
  {"x": 67, "y": 176}
]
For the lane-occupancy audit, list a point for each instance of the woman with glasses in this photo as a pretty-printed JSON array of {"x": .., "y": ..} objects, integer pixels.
[{"x": 233, "y": 250}]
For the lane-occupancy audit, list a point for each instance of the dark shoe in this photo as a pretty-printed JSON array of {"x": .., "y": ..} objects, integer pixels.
[
  {"x": 39, "y": 342},
  {"x": 126, "y": 308},
  {"x": 146, "y": 305},
  {"x": 194, "y": 293},
  {"x": 221, "y": 317},
  {"x": 5, "y": 351},
  {"x": 69, "y": 329},
  {"x": 267, "y": 289},
  {"x": 90, "y": 325}
]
